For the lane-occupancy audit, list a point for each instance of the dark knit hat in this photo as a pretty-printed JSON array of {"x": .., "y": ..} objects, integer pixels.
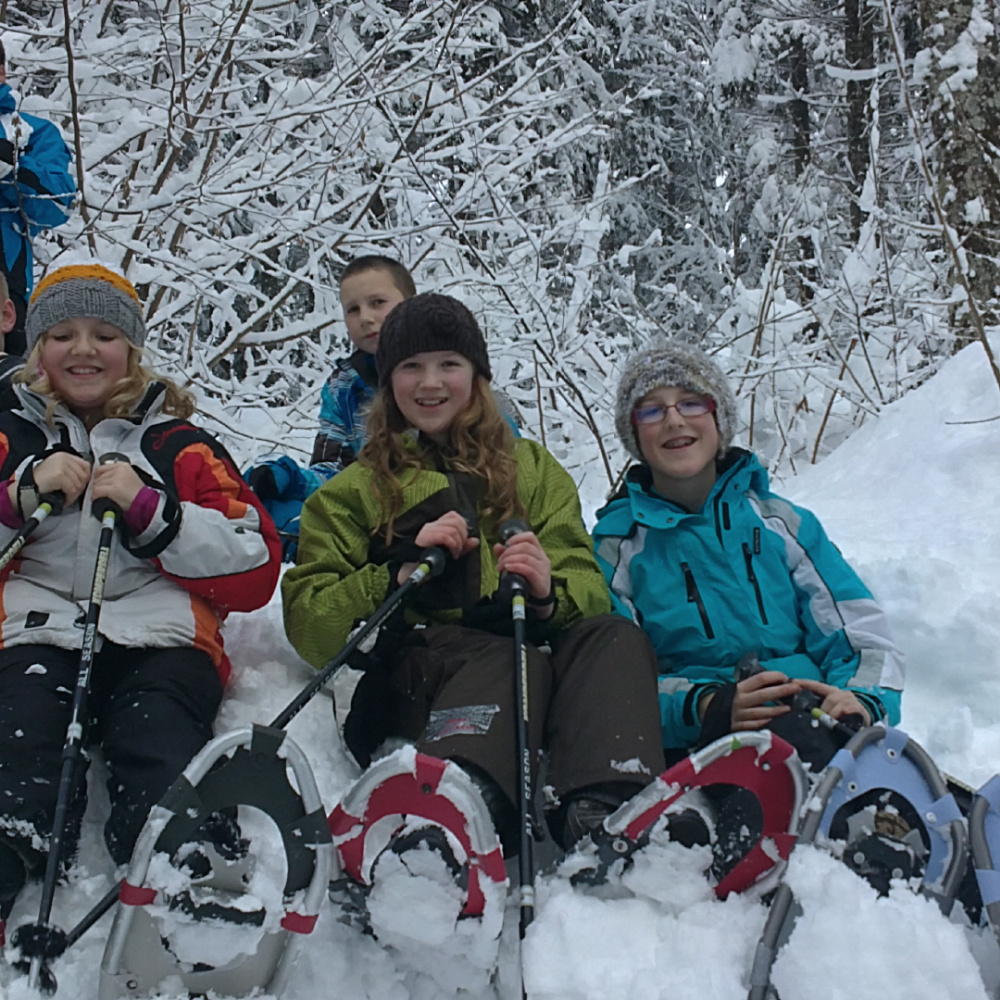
[
  {"x": 670, "y": 362},
  {"x": 85, "y": 290},
  {"x": 429, "y": 322}
]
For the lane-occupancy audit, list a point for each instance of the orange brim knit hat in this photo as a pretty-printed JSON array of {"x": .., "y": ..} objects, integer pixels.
[{"x": 85, "y": 290}]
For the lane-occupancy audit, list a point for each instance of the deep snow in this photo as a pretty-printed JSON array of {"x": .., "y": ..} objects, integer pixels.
[{"x": 911, "y": 500}]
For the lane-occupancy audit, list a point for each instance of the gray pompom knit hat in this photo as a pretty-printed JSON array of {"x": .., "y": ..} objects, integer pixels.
[
  {"x": 429, "y": 322},
  {"x": 85, "y": 290},
  {"x": 671, "y": 362}
]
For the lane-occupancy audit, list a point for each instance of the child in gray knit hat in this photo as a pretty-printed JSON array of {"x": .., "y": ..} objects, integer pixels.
[
  {"x": 92, "y": 423},
  {"x": 720, "y": 571}
]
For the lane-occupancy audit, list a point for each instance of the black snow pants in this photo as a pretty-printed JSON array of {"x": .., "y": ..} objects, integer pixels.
[{"x": 151, "y": 711}]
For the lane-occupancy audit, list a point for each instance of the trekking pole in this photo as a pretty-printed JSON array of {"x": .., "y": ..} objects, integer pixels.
[
  {"x": 48, "y": 503},
  {"x": 517, "y": 587},
  {"x": 430, "y": 563},
  {"x": 40, "y": 942}
]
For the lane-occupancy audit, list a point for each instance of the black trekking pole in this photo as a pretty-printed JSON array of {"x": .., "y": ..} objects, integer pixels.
[
  {"x": 48, "y": 504},
  {"x": 430, "y": 563},
  {"x": 41, "y": 942},
  {"x": 517, "y": 587}
]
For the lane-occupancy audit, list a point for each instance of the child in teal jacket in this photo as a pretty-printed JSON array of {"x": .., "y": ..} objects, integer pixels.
[{"x": 722, "y": 574}]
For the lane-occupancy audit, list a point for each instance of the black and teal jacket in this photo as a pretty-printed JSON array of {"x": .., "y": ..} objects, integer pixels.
[{"x": 748, "y": 573}]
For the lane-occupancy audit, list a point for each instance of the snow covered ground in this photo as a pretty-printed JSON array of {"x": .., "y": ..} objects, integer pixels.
[{"x": 911, "y": 500}]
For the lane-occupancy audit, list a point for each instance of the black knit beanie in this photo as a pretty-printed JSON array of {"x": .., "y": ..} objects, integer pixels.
[{"x": 429, "y": 322}]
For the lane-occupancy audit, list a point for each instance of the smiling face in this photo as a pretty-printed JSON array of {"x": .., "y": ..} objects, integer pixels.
[
  {"x": 368, "y": 297},
  {"x": 680, "y": 451},
  {"x": 431, "y": 389},
  {"x": 84, "y": 360}
]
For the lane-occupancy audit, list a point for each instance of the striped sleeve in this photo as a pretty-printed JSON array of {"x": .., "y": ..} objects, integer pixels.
[
  {"x": 847, "y": 633},
  {"x": 210, "y": 534}
]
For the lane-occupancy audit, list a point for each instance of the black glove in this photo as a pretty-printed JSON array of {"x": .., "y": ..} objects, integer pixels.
[
  {"x": 718, "y": 721},
  {"x": 7, "y": 151},
  {"x": 368, "y": 723}
]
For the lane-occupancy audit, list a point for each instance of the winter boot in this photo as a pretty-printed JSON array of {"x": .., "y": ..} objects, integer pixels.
[
  {"x": 740, "y": 795},
  {"x": 422, "y": 867},
  {"x": 13, "y": 877},
  {"x": 587, "y": 808}
]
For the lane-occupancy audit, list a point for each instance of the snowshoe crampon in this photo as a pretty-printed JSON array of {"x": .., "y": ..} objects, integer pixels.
[
  {"x": 884, "y": 803},
  {"x": 192, "y": 914},
  {"x": 754, "y": 786},
  {"x": 422, "y": 869}
]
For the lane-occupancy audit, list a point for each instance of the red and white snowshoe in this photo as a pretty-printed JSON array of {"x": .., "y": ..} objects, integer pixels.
[
  {"x": 422, "y": 869},
  {"x": 748, "y": 789}
]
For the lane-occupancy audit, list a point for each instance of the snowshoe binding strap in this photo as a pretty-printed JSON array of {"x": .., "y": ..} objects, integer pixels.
[{"x": 763, "y": 765}]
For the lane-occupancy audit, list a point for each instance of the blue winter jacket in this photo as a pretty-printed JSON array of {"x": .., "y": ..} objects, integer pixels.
[
  {"x": 748, "y": 573},
  {"x": 37, "y": 196},
  {"x": 344, "y": 400}
]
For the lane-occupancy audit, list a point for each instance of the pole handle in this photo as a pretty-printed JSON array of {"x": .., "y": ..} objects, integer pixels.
[
  {"x": 104, "y": 505},
  {"x": 512, "y": 584}
]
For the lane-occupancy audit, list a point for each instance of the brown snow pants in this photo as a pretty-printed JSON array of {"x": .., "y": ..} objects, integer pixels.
[{"x": 593, "y": 703}]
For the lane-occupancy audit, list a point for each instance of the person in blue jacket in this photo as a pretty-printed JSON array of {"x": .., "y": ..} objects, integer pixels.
[
  {"x": 745, "y": 599},
  {"x": 36, "y": 193}
]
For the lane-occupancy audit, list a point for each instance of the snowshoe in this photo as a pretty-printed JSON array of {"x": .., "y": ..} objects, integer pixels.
[
  {"x": 740, "y": 794},
  {"x": 422, "y": 868},
  {"x": 197, "y": 905},
  {"x": 884, "y": 805},
  {"x": 984, "y": 840}
]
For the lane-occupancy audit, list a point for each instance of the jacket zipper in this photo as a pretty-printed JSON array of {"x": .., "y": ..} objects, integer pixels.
[
  {"x": 695, "y": 598},
  {"x": 752, "y": 577}
]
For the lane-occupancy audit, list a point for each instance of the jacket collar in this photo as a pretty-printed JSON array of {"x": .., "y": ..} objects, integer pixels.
[
  {"x": 363, "y": 364},
  {"x": 739, "y": 471},
  {"x": 36, "y": 404},
  {"x": 8, "y": 102}
]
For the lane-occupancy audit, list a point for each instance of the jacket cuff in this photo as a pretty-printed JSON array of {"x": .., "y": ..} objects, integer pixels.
[
  {"x": 875, "y": 707},
  {"x": 9, "y": 516},
  {"x": 141, "y": 510},
  {"x": 161, "y": 528}
]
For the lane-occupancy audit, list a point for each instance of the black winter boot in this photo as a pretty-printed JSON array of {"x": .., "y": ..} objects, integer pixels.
[
  {"x": 13, "y": 876},
  {"x": 587, "y": 808}
]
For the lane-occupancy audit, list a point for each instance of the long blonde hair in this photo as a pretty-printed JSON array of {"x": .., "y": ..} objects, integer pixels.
[
  {"x": 480, "y": 442},
  {"x": 127, "y": 392}
]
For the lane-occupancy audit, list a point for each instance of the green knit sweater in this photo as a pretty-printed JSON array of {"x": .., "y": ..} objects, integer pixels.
[{"x": 345, "y": 570}]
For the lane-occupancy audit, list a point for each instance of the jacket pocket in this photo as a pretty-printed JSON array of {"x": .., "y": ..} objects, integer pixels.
[
  {"x": 752, "y": 577},
  {"x": 694, "y": 597}
]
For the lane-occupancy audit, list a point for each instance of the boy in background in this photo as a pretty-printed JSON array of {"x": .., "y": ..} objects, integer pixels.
[
  {"x": 36, "y": 193},
  {"x": 369, "y": 289}
]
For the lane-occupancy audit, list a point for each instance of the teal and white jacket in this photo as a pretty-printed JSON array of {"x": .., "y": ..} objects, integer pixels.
[{"x": 748, "y": 573}]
